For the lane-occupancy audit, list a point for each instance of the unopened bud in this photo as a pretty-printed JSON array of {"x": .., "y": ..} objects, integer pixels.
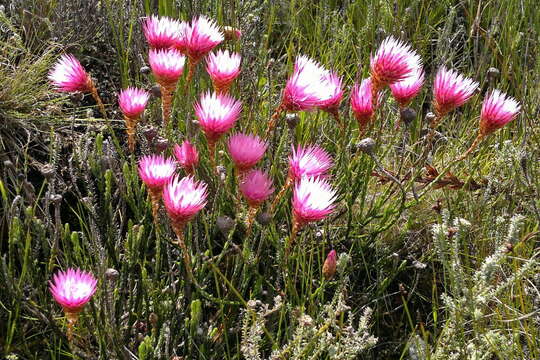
[
  {"x": 329, "y": 267},
  {"x": 76, "y": 96},
  {"x": 153, "y": 319},
  {"x": 150, "y": 133},
  {"x": 493, "y": 74},
  {"x": 47, "y": 171},
  {"x": 292, "y": 120},
  {"x": 9, "y": 165},
  {"x": 111, "y": 274},
  {"x": 231, "y": 33},
  {"x": 366, "y": 145},
  {"x": 145, "y": 70},
  {"x": 156, "y": 91},
  {"x": 161, "y": 144},
  {"x": 264, "y": 218},
  {"x": 225, "y": 224},
  {"x": 407, "y": 115},
  {"x": 56, "y": 198},
  {"x": 430, "y": 117}
]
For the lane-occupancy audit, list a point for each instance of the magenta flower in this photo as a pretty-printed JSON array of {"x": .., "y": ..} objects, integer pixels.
[
  {"x": 498, "y": 109},
  {"x": 307, "y": 87},
  {"x": 162, "y": 32},
  {"x": 184, "y": 199},
  {"x": 156, "y": 171},
  {"x": 362, "y": 104},
  {"x": 311, "y": 161},
  {"x": 246, "y": 150},
  {"x": 132, "y": 101},
  {"x": 187, "y": 156},
  {"x": 256, "y": 187},
  {"x": 167, "y": 65},
  {"x": 223, "y": 67},
  {"x": 72, "y": 289},
  {"x": 201, "y": 37},
  {"x": 68, "y": 75},
  {"x": 313, "y": 200},
  {"x": 393, "y": 62},
  {"x": 407, "y": 89},
  {"x": 217, "y": 113},
  {"x": 451, "y": 90},
  {"x": 335, "y": 92}
]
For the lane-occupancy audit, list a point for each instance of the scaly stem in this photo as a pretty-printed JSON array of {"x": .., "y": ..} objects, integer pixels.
[
  {"x": 475, "y": 143},
  {"x": 281, "y": 192},
  {"x": 96, "y": 97},
  {"x": 335, "y": 114},
  {"x": 192, "y": 65},
  {"x": 273, "y": 119},
  {"x": 155, "y": 197},
  {"x": 72, "y": 318},
  {"x": 167, "y": 91},
  {"x": 250, "y": 218},
  {"x": 178, "y": 228},
  {"x": 212, "y": 154},
  {"x": 292, "y": 238},
  {"x": 131, "y": 125}
]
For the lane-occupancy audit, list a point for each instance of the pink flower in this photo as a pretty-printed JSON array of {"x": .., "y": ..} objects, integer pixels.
[
  {"x": 217, "y": 113},
  {"x": 223, "y": 67},
  {"x": 246, "y": 150},
  {"x": 201, "y": 37},
  {"x": 256, "y": 187},
  {"x": 184, "y": 198},
  {"x": 361, "y": 102},
  {"x": 68, "y": 75},
  {"x": 335, "y": 92},
  {"x": 132, "y": 101},
  {"x": 393, "y": 62},
  {"x": 162, "y": 32},
  {"x": 313, "y": 200},
  {"x": 187, "y": 155},
  {"x": 309, "y": 161},
  {"x": 167, "y": 65},
  {"x": 451, "y": 90},
  {"x": 330, "y": 264},
  {"x": 498, "y": 109},
  {"x": 307, "y": 87},
  {"x": 72, "y": 289},
  {"x": 406, "y": 90},
  {"x": 156, "y": 171}
]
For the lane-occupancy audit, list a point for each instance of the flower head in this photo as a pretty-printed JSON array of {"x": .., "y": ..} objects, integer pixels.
[
  {"x": 132, "y": 101},
  {"x": 307, "y": 87},
  {"x": 335, "y": 92},
  {"x": 406, "y": 90},
  {"x": 68, "y": 75},
  {"x": 256, "y": 187},
  {"x": 451, "y": 90},
  {"x": 361, "y": 104},
  {"x": 167, "y": 65},
  {"x": 223, "y": 67},
  {"x": 217, "y": 113},
  {"x": 393, "y": 62},
  {"x": 186, "y": 155},
  {"x": 201, "y": 37},
  {"x": 246, "y": 150},
  {"x": 309, "y": 161},
  {"x": 72, "y": 289},
  {"x": 313, "y": 200},
  {"x": 156, "y": 171},
  {"x": 184, "y": 198},
  {"x": 162, "y": 32},
  {"x": 498, "y": 109}
]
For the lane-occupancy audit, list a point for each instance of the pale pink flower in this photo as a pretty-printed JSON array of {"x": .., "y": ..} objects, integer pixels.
[
  {"x": 407, "y": 89},
  {"x": 72, "y": 289},
  {"x": 256, "y": 187},
  {"x": 498, "y": 109},
  {"x": 167, "y": 65},
  {"x": 393, "y": 62},
  {"x": 132, "y": 101},
  {"x": 307, "y": 87},
  {"x": 201, "y": 37},
  {"x": 451, "y": 90},
  {"x": 156, "y": 171},
  {"x": 246, "y": 150},
  {"x": 223, "y": 67},
  {"x": 184, "y": 198},
  {"x": 313, "y": 200},
  {"x": 335, "y": 92},
  {"x": 311, "y": 161},
  {"x": 68, "y": 75},
  {"x": 217, "y": 113},
  {"x": 186, "y": 155},
  {"x": 361, "y": 102},
  {"x": 162, "y": 32}
]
